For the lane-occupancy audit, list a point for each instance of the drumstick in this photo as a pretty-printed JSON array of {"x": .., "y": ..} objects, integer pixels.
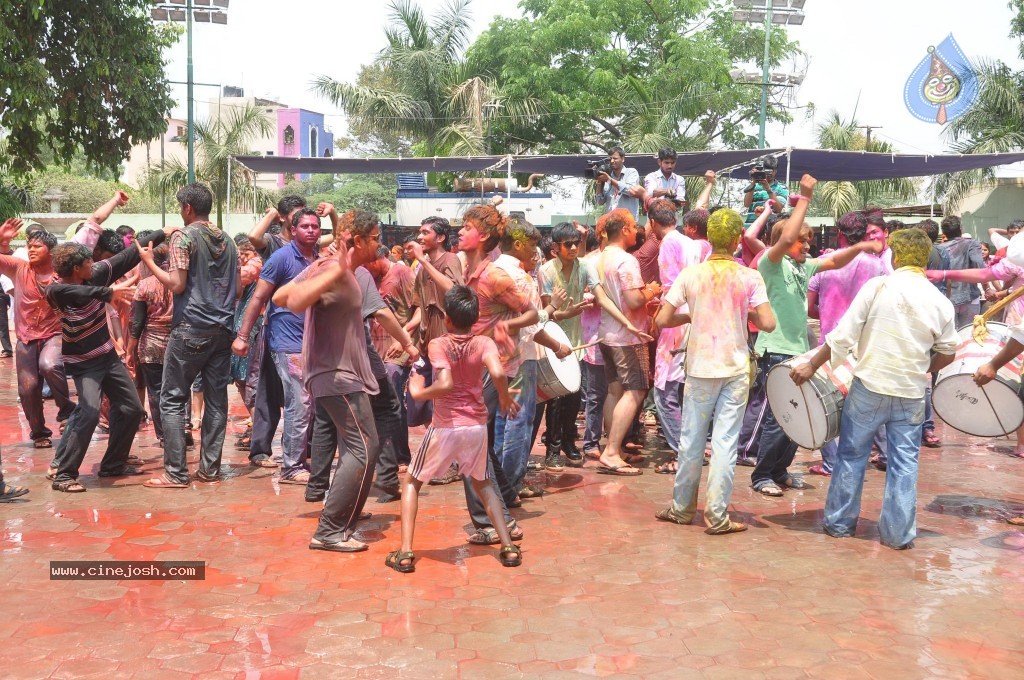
[
  {"x": 980, "y": 333},
  {"x": 589, "y": 344}
]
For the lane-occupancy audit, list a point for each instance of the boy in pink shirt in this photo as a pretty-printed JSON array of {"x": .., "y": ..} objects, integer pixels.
[{"x": 458, "y": 432}]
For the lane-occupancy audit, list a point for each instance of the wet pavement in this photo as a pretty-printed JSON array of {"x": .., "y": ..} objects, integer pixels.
[{"x": 605, "y": 590}]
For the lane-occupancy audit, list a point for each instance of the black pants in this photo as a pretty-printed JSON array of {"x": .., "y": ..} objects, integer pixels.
[
  {"x": 777, "y": 450},
  {"x": 559, "y": 417},
  {"x": 114, "y": 381},
  {"x": 5, "y": 328},
  {"x": 387, "y": 414},
  {"x": 154, "y": 377},
  {"x": 350, "y": 417},
  {"x": 269, "y": 400}
]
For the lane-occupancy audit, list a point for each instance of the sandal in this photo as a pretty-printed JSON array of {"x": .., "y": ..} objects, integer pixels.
[
  {"x": 670, "y": 515},
  {"x": 620, "y": 470},
  {"x": 397, "y": 561},
  {"x": 515, "y": 532},
  {"x": 793, "y": 482},
  {"x": 930, "y": 440},
  {"x": 300, "y": 479},
  {"x": 770, "y": 489},
  {"x": 669, "y": 468},
  {"x": 450, "y": 475},
  {"x": 206, "y": 478},
  {"x": 1016, "y": 521},
  {"x": 51, "y": 474},
  {"x": 511, "y": 555},
  {"x": 125, "y": 471},
  {"x": 263, "y": 462},
  {"x": 68, "y": 486},
  {"x": 43, "y": 443},
  {"x": 164, "y": 482},
  {"x": 531, "y": 492},
  {"x": 730, "y": 528},
  {"x": 484, "y": 536},
  {"x": 11, "y": 493},
  {"x": 134, "y": 460},
  {"x": 349, "y": 546}
]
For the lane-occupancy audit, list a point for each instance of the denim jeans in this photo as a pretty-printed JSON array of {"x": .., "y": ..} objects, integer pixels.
[
  {"x": 191, "y": 352},
  {"x": 593, "y": 404},
  {"x": 863, "y": 413},
  {"x": 40, "y": 362},
  {"x": 505, "y": 491},
  {"x": 667, "y": 406},
  {"x": 512, "y": 435},
  {"x": 298, "y": 413},
  {"x": 830, "y": 450},
  {"x": 929, "y": 418},
  {"x": 154, "y": 379},
  {"x": 112, "y": 380},
  {"x": 725, "y": 399},
  {"x": 966, "y": 312},
  {"x": 398, "y": 376},
  {"x": 776, "y": 449}
]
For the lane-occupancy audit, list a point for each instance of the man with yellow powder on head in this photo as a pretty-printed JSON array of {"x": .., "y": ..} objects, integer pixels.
[
  {"x": 719, "y": 294},
  {"x": 903, "y": 329}
]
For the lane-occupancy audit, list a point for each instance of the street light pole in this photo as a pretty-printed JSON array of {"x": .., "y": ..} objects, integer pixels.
[
  {"x": 191, "y": 88},
  {"x": 764, "y": 74}
]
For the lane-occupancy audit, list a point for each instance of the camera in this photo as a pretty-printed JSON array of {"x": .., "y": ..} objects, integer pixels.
[
  {"x": 759, "y": 173},
  {"x": 595, "y": 168}
]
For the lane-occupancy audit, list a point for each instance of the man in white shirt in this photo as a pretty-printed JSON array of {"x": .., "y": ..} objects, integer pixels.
[
  {"x": 664, "y": 182},
  {"x": 903, "y": 328}
]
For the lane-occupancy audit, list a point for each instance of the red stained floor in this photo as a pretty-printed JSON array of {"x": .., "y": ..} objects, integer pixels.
[{"x": 605, "y": 590}]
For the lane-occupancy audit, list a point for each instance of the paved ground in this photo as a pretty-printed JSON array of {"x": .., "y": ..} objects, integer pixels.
[{"x": 604, "y": 591}]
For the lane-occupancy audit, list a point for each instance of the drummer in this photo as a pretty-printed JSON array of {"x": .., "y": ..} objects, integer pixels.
[
  {"x": 786, "y": 271},
  {"x": 903, "y": 329},
  {"x": 1013, "y": 276}
]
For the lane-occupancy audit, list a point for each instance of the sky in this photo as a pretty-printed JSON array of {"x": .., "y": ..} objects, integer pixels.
[{"x": 858, "y": 55}]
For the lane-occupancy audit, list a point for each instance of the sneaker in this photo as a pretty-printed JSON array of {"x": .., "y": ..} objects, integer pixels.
[
  {"x": 315, "y": 496},
  {"x": 554, "y": 462},
  {"x": 451, "y": 475},
  {"x": 573, "y": 457}
]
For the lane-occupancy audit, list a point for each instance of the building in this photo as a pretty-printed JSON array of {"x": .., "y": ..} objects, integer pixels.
[{"x": 302, "y": 134}]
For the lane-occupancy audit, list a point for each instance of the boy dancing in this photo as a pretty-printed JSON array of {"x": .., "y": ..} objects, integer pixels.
[{"x": 458, "y": 431}]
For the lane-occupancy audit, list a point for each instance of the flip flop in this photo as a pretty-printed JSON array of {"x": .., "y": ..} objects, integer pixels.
[
  {"x": 1016, "y": 521},
  {"x": 663, "y": 468},
  {"x": 338, "y": 547},
  {"x": 618, "y": 470},
  {"x": 11, "y": 492},
  {"x": 163, "y": 482},
  {"x": 43, "y": 443},
  {"x": 770, "y": 490},
  {"x": 731, "y": 528}
]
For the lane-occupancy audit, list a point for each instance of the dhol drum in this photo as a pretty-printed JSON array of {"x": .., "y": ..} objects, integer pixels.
[
  {"x": 557, "y": 377},
  {"x": 990, "y": 411},
  {"x": 809, "y": 414}
]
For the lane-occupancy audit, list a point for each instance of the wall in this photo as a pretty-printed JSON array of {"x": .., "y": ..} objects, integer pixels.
[
  {"x": 994, "y": 206},
  {"x": 301, "y": 120}
]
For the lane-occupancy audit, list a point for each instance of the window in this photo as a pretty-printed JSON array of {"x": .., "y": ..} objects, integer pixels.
[
  {"x": 289, "y": 135},
  {"x": 314, "y": 141},
  {"x": 327, "y": 152}
]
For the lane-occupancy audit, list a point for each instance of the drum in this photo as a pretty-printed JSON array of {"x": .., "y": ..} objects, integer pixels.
[
  {"x": 809, "y": 414},
  {"x": 989, "y": 411},
  {"x": 557, "y": 377}
]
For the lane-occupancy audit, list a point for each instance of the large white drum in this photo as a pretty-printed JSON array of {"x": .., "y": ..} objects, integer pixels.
[
  {"x": 990, "y": 411},
  {"x": 809, "y": 414},
  {"x": 557, "y": 377}
]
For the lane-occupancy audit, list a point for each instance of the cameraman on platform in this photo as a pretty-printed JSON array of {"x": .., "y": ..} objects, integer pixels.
[
  {"x": 619, "y": 188},
  {"x": 764, "y": 187}
]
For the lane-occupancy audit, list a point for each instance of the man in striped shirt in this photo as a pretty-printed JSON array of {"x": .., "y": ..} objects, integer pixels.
[{"x": 80, "y": 298}]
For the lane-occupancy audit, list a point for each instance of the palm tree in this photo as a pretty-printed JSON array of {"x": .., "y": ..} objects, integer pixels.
[
  {"x": 995, "y": 124},
  {"x": 428, "y": 92},
  {"x": 216, "y": 140},
  {"x": 839, "y": 198}
]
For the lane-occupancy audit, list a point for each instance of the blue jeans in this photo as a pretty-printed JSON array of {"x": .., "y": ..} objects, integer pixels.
[
  {"x": 929, "y": 418},
  {"x": 297, "y": 413},
  {"x": 726, "y": 400},
  {"x": 863, "y": 413},
  {"x": 192, "y": 352},
  {"x": 830, "y": 450},
  {"x": 667, "y": 408},
  {"x": 512, "y": 435},
  {"x": 593, "y": 404}
]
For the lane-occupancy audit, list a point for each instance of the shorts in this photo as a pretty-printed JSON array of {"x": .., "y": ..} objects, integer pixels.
[
  {"x": 629, "y": 365},
  {"x": 466, "y": 445}
]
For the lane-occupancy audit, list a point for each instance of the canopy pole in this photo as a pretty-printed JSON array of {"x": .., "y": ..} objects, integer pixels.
[
  {"x": 255, "y": 212},
  {"x": 227, "y": 208},
  {"x": 789, "y": 163},
  {"x": 508, "y": 181}
]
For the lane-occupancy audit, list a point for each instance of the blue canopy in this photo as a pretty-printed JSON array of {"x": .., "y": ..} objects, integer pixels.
[{"x": 825, "y": 165}]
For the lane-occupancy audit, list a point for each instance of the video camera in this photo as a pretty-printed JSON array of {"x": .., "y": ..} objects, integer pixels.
[
  {"x": 595, "y": 168},
  {"x": 758, "y": 173}
]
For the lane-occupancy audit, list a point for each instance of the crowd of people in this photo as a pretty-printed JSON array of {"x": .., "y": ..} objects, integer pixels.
[{"x": 346, "y": 345}]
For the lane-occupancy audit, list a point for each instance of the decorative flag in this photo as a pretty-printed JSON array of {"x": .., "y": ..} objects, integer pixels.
[{"x": 943, "y": 86}]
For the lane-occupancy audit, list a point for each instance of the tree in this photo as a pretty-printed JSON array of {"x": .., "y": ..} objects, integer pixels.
[
  {"x": 83, "y": 76},
  {"x": 216, "y": 140},
  {"x": 420, "y": 87},
  {"x": 641, "y": 73},
  {"x": 838, "y": 198}
]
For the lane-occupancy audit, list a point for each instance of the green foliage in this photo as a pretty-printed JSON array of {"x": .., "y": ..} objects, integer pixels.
[
  {"x": 643, "y": 73},
  {"x": 216, "y": 140},
  {"x": 84, "y": 194},
  {"x": 375, "y": 193},
  {"x": 80, "y": 77},
  {"x": 838, "y": 198}
]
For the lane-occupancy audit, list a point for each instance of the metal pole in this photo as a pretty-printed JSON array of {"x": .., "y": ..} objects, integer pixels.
[
  {"x": 163, "y": 187},
  {"x": 191, "y": 87},
  {"x": 227, "y": 208},
  {"x": 764, "y": 73}
]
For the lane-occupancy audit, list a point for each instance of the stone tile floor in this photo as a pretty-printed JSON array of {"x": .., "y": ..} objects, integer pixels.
[{"x": 605, "y": 590}]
